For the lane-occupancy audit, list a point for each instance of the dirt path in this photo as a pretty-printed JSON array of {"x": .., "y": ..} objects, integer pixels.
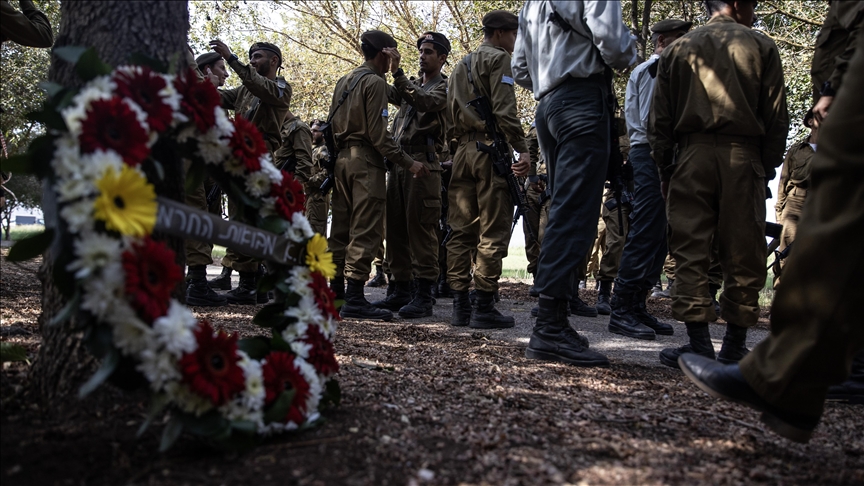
[{"x": 427, "y": 404}]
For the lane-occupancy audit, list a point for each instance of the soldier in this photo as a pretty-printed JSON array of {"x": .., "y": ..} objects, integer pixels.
[
  {"x": 480, "y": 205},
  {"x": 539, "y": 217},
  {"x": 834, "y": 47},
  {"x": 816, "y": 316},
  {"x": 614, "y": 234},
  {"x": 645, "y": 250},
  {"x": 359, "y": 118},
  {"x": 730, "y": 124},
  {"x": 414, "y": 205},
  {"x": 29, "y": 27},
  {"x": 264, "y": 99},
  {"x": 565, "y": 56},
  {"x": 794, "y": 184},
  {"x": 296, "y": 148},
  {"x": 317, "y": 201}
]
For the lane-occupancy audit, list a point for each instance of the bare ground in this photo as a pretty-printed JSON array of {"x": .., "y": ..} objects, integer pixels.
[{"x": 427, "y": 404}]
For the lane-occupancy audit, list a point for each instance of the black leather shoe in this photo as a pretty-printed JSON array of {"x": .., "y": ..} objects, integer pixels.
[
  {"x": 379, "y": 280},
  {"x": 554, "y": 340},
  {"x": 485, "y": 316},
  {"x": 357, "y": 307},
  {"x": 199, "y": 292},
  {"x": 400, "y": 297},
  {"x": 623, "y": 319},
  {"x": 734, "y": 345},
  {"x": 444, "y": 288},
  {"x": 700, "y": 343},
  {"x": 642, "y": 314},
  {"x": 533, "y": 291},
  {"x": 726, "y": 382},
  {"x": 851, "y": 391},
  {"x": 461, "y": 309},
  {"x": 421, "y": 304},
  {"x": 246, "y": 292},
  {"x": 578, "y": 307},
  {"x": 604, "y": 289},
  {"x": 223, "y": 281}
]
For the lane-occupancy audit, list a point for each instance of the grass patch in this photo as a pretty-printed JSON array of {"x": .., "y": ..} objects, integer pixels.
[{"x": 20, "y": 232}]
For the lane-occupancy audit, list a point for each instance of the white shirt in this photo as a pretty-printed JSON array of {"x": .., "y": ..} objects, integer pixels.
[
  {"x": 545, "y": 55},
  {"x": 637, "y": 101}
]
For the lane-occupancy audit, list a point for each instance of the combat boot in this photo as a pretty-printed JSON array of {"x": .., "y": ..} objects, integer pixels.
[
  {"x": 444, "y": 287},
  {"x": 657, "y": 290},
  {"x": 665, "y": 294},
  {"x": 484, "y": 315},
  {"x": 604, "y": 288},
  {"x": 421, "y": 304},
  {"x": 379, "y": 280},
  {"x": 337, "y": 285},
  {"x": 391, "y": 287},
  {"x": 246, "y": 292},
  {"x": 641, "y": 310},
  {"x": 623, "y": 319},
  {"x": 199, "y": 292},
  {"x": 554, "y": 340},
  {"x": 734, "y": 345},
  {"x": 223, "y": 281},
  {"x": 700, "y": 343},
  {"x": 580, "y": 308},
  {"x": 400, "y": 297},
  {"x": 357, "y": 307},
  {"x": 461, "y": 309}
]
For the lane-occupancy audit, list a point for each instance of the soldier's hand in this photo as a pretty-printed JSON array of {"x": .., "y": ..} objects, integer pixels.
[
  {"x": 221, "y": 49},
  {"x": 419, "y": 169},
  {"x": 522, "y": 166},
  {"x": 447, "y": 164},
  {"x": 820, "y": 111},
  {"x": 212, "y": 77},
  {"x": 395, "y": 58}
]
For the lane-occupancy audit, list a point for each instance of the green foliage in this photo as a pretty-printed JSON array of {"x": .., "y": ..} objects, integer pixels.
[
  {"x": 31, "y": 246},
  {"x": 12, "y": 352}
]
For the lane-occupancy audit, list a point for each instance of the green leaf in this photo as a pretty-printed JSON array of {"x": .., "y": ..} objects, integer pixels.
[
  {"x": 68, "y": 310},
  {"x": 31, "y": 247},
  {"x": 332, "y": 393},
  {"x": 256, "y": 347},
  {"x": 278, "y": 343},
  {"x": 156, "y": 406},
  {"x": 109, "y": 363},
  {"x": 338, "y": 303},
  {"x": 49, "y": 118},
  {"x": 50, "y": 88},
  {"x": 279, "y": 409},
  {"x": 140, "y": 59},
  {"x": 244, "y": 426},
  {"x": 208, "y": 425},
  {"x": 18, "y": 164},
  {"x": 274, "y": 224},
  {"x": 90, "y": 66},
  {"x": 41, "y": 151},
  {"x": 12, "y": 352},
  {"x": 171, "y": 433},
  {"x": 270, "y": 315},
  {"x": 237, "y": 192},
  {"x": 69, "y": 54},
  {"x": 160, "y": 170}
]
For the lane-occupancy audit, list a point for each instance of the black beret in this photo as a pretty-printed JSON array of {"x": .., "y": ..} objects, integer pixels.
[
  {"x": 670, "y": 25},
  {"x": 434, "y": 38},
  {"x": 266, "y": 46},
  {"x": 377, "y": 39},
  {"x": 207, "y": 58},
  {"x": 500, "y": 19}
]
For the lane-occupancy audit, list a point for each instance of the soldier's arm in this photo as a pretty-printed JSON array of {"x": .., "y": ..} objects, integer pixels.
[
  {"x": 613, "y": 39},
  {"x": 502, "y": 97},
  {"x": 375, "y": 93},
  {"x": 269, "y": 91},
  {"x": 422, "y": 100},
  {"x": 303, "y": 152},
  {"x": 533, "y": 151},
  {"x": 841, "y": 64},
  {"x": 773, "y": 111},
  {"x": 519, "y": 64},
  {"x": 393, "y": 95},
  {"x": 29, "y": 27},
  {"x": 661, "y": 124},
  {"x": 228, "y": 97}
]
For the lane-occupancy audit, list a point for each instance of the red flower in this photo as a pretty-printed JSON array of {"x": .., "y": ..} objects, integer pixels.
[
  {"x": 200, "y": 99},
  {"x": 289, "y": 196},
  {"x": 151, "y": 276},
  {"x": 324, "y": 297},
  {"x": 112, "y": 125},
  {"x": 322, "y": 355},
  {"x": 282, "y": 374},
  {"x": 212, "y": 371},
  {"x": 143, "y": 88},
  {"x": 247, "y": 144}
]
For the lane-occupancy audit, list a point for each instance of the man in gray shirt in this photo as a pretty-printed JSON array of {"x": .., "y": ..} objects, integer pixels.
[{"x": 564, "y": 53}]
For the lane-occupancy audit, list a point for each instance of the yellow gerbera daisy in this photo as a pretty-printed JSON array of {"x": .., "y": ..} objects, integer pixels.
[
  {"x": 126, "y": 202},
  {"x": 318, "y": 258}
]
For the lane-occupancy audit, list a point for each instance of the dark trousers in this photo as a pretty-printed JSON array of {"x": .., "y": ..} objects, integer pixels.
[
  {"x": 573, "y": 132},
  {"x": 645, "y": 249}
]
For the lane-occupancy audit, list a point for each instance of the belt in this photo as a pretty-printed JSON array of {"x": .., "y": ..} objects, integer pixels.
[
  {"x": 471, "y": 136},
  {"x": 717, "y": 139},
  {"x": 418, "y": 149},
  {"x": 355, "y": 143}
]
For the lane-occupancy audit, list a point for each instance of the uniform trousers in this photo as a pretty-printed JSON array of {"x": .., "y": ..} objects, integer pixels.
[
  {"x": 358, "y": 210},
  {"x": 616, "y": 235},
  {"x": 597, "y": 251},
  {"x": 317, "y": 208},
  {"x": 480, "y": 215},
  {"x": 573, "y": 131},
  {"x": 789, "y": 218},
  {"x": 717, "y": 192},
  {"x": 816, "y": 325},
  {"x": 536, "y": 219}
]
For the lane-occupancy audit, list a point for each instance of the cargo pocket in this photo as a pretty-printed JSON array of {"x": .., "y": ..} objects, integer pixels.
[{"x": 431, "y": 211}]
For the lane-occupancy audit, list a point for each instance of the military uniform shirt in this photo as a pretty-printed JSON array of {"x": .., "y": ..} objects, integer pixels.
[
  {"x": 835, "y": 43},
  {"x": 426, "y": 105},
  {"x": 315, "y": 173},
  {"x": 795, "y": 172},
  {"x": 29, "y": 27},
  {"x": 296, "y": 148},
  {"x": 741, "y": 93}
]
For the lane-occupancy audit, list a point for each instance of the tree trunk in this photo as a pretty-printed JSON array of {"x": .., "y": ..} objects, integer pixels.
[{"x": 117, "y": 29}]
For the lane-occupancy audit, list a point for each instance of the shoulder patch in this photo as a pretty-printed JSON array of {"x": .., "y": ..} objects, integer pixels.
[
  {"x": 507, "y": 80},
  {"x": 385, "y": 113},
  {"x": 281, "y": 83}
]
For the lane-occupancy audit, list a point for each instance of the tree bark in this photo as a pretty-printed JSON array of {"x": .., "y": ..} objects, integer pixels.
[{"x": 117, "y": 29}]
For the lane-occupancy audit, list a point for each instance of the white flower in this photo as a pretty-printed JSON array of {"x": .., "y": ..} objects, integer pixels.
[
  {"x": 187, "y": 401},
  {"x": 174, "y": 329},
  {"x": 140, "y": 114},
  {"x": 300, "y": 280},
  {"x": 257, "y": 184},
  {"x": 300, "y": 221},
  {"x": 101, "y": 292},
  {"x": 187, "y": 132},
  {"x": 315, "y": 388},
  {"x": 104, "y": 85},
  {"x": 249, "y": 404},
  {"x": 306, "y": 310},
  {"x": 101, "y": 88},
  {"x": 301, "y": 348},
  {"x": 223, "y": 125},
  {"x": 268, "y": 168},
  {"x": 78, "y": 215},
  {"x": 268, "y": 206},
  {"x": 327, "y": 326},
  {"x": 295, "y": 331},
  {"x": 211, "y": 148},
  {"x": 95, "y": 251},
  {"x": 234, "y": 166},
  {"x": 131, "y": 335},
  {"x": 169, "y": 94},
  {"x": 72, "y": 188},
  {"x": 159, "y": 367},
  {"x": 94, "y": 165},
  {"x": 67, "y": 159}
]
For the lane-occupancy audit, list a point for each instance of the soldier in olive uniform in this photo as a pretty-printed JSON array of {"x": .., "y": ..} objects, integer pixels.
[
  {"x": 296, "y": 148},
  {"x": 414, "y": 205},
  {"x": 29, "y": 27},
  {"x": 539, "y": 216},
  {"x": 264, "y": 99},
  {"x": 835, "y": 45},
  {"x": 360, "y": 132},
  {"x": 317, "y": 202},
  {"x": 480, "y": 204},
  {"x": 730, "y": 122}
]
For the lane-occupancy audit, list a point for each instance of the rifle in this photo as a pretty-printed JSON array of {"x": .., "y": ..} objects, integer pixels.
[{"x": 500, "y": 152}]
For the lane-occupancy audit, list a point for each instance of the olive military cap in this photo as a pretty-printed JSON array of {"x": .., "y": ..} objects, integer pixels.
[
  {"x": 266, "y": 46},
  {"x": 435, "y": 38},
  {"x": 500, "y": 19},
  {"x": 377, "y": 39},
  {"x": 670, "y": 25},
  {"x": 207, "y": 58}
]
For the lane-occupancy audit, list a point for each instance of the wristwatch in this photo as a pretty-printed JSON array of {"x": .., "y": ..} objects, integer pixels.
[
  {"x": 399, "y": 72},
  {"x": 827, "y": 90},
  {"x": 233, "y": 57}
]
